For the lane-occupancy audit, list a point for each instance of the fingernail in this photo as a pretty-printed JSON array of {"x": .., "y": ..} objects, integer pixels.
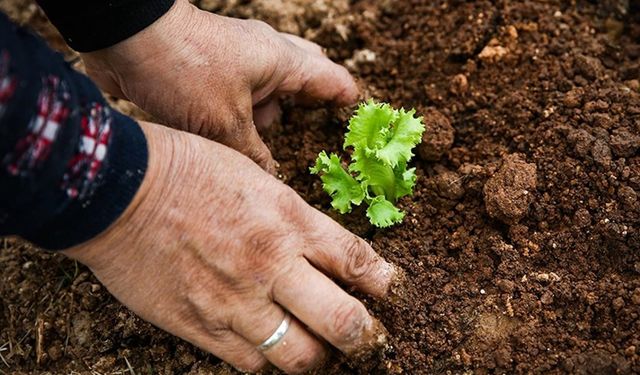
[
  {"x": 352, "y": 96},
  {"x": 386, "y": 275},
  {"x": 373, "y": 339},
  {"x": 397, "y": 289},
  {"x": 272, "y": 167}
]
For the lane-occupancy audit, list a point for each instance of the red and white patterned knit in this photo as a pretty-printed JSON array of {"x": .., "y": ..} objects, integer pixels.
[
  {"x": 7, "y": 83},
  {"x": 52, "y": 112},
  {"x": 69, "y": 164},
  {"x": 83, "y": 168}
]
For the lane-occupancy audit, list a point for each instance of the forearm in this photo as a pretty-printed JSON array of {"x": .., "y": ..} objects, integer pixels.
[{"x": 69, "y": 164}]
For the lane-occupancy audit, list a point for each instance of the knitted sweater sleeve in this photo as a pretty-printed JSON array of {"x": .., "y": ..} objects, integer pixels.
[
  {"x": 90, "y": 25},
  {"x": 69, "y": 164}
]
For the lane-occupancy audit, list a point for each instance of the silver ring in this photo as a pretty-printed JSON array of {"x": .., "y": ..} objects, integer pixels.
[{"x": 277, "y": 335}]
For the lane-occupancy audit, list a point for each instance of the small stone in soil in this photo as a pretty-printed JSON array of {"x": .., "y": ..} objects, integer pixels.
[
  {"x": 459, "y": 84},
  {"x": 547, "y": 298},
  {"x": 493, "y": 53}
]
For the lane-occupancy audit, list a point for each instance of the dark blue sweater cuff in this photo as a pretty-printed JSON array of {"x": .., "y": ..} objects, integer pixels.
[
  {"x": 69, "y": 164},
  {"x": 90, "y": 25},
  {"x": 117, "y": 184}
]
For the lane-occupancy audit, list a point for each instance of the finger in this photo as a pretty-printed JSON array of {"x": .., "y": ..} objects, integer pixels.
[
  {"x": 233, "y": 349},
  {"x": 347, "y": 257},
  {"x": 243, "y": 137},
  {"x": 318, "y": 78},
  {"x": 249, "y": 143},
  {"x": 264, "y": 115},
  {"x": 298, "y": 351},
  {"x": 306, "y": 45},
  {"x": 328, "y": 310}
]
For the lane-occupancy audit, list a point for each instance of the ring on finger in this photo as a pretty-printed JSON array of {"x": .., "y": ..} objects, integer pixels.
[{"x": 277, "y": 335}]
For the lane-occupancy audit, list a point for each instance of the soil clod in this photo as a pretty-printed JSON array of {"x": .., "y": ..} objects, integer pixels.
[{"x": 510, "y": 191}]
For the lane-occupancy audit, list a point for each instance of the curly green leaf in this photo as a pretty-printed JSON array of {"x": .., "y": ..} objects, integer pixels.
[
  {"x": 405, "y": 133},
  {"x": 338, "y": 183},
  {"x": 383, "y": 213}
]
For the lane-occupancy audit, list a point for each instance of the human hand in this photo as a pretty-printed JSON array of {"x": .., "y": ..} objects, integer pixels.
[
  {"x": 220, "y": 75},
  {"x": 215, "y": 250}
]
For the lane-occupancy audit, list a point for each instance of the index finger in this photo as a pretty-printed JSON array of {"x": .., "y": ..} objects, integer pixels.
[
  {"x": 347, "y": 257},
  {"x": 328, "y": 310}
]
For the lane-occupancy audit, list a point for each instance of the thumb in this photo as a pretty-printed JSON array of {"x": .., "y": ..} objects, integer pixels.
[{"x": 319, "y": 78}]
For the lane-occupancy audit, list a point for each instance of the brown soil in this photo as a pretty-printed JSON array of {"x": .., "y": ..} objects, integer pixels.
[{"x": 522, "y": 242}]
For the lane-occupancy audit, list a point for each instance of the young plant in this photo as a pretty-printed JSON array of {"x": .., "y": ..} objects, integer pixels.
[{"x": 382, "y": 139}]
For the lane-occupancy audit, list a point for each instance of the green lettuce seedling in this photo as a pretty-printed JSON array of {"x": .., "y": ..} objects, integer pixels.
[{"x": 382, "y": 139}]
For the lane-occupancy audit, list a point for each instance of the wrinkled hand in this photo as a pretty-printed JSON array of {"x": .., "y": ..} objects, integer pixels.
[
  {"x": 215, "y": 250},
  {"x": 218, "y": 74}
]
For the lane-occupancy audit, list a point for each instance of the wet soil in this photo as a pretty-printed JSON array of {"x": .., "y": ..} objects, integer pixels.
[{"x": 522, "y": 242}]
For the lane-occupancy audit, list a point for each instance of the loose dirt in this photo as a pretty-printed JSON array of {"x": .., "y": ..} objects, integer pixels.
[{"x": 522, "y": 242}]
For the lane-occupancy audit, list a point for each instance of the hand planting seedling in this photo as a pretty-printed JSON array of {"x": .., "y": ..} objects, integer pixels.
[{"x": 382, "y": 139}]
